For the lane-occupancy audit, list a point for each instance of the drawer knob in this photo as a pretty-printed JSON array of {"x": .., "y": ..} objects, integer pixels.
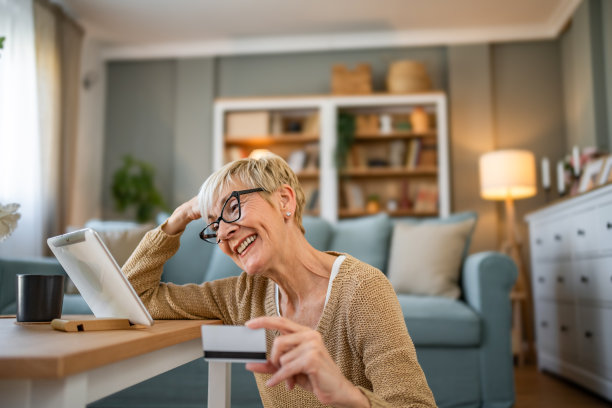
[
  {"x": 584, "y": 279},
  {"x": 557, "y": 237},
  {"x": 609, "y": 225},
  {"x": 581, "y": 232},
  {"x": 560, "y": 279},
  {"x": 541, "y": 279},
  {"x": 539, "y": 241},
  {"x": 544, "y": 323},
  {"x": 588, "y": 334},
  {"x": 564, "y": 328}
]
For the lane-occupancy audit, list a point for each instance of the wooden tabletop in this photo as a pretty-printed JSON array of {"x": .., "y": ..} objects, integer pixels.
[{"x": 38, "y": 351}]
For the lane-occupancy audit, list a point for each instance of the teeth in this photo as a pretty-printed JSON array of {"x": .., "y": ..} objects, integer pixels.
[{"x": 245, "y": 243}]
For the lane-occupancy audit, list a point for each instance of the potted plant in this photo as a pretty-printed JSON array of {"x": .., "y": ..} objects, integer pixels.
[
  {"x": 346, "y": 138},
  {"x": 133, "y": 186}
]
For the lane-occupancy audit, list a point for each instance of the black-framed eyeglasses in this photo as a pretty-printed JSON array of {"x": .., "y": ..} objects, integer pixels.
[{"x": 230, "y": 212}]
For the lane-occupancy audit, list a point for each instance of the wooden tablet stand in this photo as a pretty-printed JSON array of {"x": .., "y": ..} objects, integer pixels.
[{"x": 92, "y": 324}]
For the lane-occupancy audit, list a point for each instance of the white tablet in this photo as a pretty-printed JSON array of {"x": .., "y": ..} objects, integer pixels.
[{"x": 99, "y": 279}]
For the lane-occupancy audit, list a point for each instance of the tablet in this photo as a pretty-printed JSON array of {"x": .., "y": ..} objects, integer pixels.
[{"x": 99, "y": 279}]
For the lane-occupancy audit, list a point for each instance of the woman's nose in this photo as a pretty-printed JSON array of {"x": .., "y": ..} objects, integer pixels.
[{"x": 226, "y": 230}]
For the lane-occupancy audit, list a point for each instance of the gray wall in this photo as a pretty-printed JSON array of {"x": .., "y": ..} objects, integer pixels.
[
  {"x": 586, "y": 62},
  {"x": 310, "y": 73},
  {"x": 606, "y": 16},
  {"x": 140, "y": 117}
]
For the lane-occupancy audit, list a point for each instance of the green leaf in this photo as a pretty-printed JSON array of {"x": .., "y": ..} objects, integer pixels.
[
  {"x": 134, "y": 187},
  {"x": 2, "y": 42},
  {"x": 346, "y": 138}
]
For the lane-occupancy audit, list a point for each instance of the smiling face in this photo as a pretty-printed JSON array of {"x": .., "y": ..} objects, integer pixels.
[{"x": 254, "y": 240}]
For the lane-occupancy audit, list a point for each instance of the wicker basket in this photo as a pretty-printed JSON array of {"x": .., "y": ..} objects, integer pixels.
[{"x": 407, "y": 76}]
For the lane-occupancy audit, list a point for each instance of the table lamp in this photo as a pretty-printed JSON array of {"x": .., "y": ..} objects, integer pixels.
[{"x": 509, "y": 175}]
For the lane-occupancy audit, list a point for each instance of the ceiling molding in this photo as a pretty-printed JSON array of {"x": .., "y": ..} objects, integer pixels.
[
  {"x": 562, "y": 15},
  {"x": 362, "y": 40}
]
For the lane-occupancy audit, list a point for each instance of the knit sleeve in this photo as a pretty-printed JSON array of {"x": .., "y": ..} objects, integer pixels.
[
  {"x": 210, "y": 300},
  {"x": 387, "y": 352}
]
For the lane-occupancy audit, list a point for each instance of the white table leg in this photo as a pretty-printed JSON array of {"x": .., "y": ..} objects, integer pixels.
[
  {"x": 69, "y": 392},
  {"x": 16, "y": 393},
  {"x": 219, "y": 384}
]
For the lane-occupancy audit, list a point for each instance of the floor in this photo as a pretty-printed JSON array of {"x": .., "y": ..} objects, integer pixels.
[{"x": 535, "y": 389}]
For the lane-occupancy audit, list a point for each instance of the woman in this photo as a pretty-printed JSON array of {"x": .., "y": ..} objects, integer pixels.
[{"x": 335, "y": 326}]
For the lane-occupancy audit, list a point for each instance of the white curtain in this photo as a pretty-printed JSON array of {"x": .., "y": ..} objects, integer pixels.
[{"x": 20, "y": 145}]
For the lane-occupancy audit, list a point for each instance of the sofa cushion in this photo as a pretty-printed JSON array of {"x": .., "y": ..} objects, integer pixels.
[
  {"x": 318, "y": 232},
  {"x": 437, "y": 321},
  {"x": 120, "y": 237},
  {"x": 365, "y": 238},
  {"x": 426, "y": 257}
]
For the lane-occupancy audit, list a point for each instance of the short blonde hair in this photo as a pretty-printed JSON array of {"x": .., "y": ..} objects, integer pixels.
[{"x": 269, "y": 172}]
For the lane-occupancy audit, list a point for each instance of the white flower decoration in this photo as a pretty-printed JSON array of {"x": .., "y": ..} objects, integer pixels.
[{"x": 8, "y": 219}]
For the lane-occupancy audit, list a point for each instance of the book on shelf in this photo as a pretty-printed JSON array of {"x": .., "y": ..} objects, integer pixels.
[
  {"x": 297, "y": 160},
  {"x": 426, "y": 197},
  {"x": 312, "y": 156},
  {"x": 354, "y": 196},
  {"x": 357, "y": 157},
  {"x": 397, "y": 153},
  {"x": 428, "y": 156},
  {"x": 311, "y": 195},
  {"x": 412, "y": 154}
]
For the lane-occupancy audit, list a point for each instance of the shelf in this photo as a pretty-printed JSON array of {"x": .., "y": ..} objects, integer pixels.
[
  {"x": 377, "y": 137},
  {"x": 308, "y": 174},
  {"x": 388, "y": 172},
  {"x": 344, "y": 213},
  {"x": 267, "y": 140}
]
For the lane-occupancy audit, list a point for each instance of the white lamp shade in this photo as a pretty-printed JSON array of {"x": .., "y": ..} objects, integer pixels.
[{"x": 507, "y": 174}]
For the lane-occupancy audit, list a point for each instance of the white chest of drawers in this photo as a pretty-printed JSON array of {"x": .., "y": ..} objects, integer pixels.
[{"x": 571, "y": 269}]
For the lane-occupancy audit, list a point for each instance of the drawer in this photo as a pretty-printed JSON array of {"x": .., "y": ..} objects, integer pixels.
[
  {"x": 550, "y": 240},
  {"x": 556, "y": 329},
  {"x": 583, "y": 233},
  {"x": 601, "y": 275},
  {"x": 553, "y": 281},
  {"x": 595, "y": 339},
  {"x": 583, "y": 279},
  {"x": 559, "y": 239},
  {"x": 603, "y": 227}
]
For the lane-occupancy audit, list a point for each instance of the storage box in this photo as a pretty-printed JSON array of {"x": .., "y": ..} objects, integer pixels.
[{"x": 240, "y": 125}]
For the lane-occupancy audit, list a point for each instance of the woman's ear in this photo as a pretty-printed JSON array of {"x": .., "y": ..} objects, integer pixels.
[{"x": 287, "y": 199}]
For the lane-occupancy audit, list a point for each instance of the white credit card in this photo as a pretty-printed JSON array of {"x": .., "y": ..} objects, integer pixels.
[{"x": 235, "y": 344}]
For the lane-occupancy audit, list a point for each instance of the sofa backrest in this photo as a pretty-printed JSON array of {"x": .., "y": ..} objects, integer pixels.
[
  {"x": 366, "y": 238},
  {"x": 190, "y": 263}
]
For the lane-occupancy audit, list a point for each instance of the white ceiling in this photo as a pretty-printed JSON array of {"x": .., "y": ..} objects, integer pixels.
[{"x": 148, "y": 28}]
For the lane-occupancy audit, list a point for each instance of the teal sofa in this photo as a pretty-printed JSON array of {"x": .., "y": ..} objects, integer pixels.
[{"x": 463, "y": 345}]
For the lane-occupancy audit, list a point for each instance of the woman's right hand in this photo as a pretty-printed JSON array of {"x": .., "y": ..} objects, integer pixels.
[{"x": 183, "y": 215}]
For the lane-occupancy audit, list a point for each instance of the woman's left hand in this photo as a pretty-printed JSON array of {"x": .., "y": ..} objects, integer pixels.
[{"x": 298, "y": 356}]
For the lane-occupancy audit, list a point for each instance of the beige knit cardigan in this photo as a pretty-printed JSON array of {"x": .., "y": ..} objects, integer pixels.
[{"x": 362, "y": 324}]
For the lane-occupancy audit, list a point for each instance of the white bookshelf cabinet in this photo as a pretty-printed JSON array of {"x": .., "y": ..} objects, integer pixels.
[{"x": 325, "y": 177}]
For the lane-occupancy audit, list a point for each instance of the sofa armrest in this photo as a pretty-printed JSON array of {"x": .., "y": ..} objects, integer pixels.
[
  {"x": 488, "y": 278},
  {"x": 11, "y": 267}
]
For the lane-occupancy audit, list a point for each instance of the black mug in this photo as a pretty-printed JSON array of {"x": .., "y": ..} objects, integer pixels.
[{"x": 39, "y": 297}]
